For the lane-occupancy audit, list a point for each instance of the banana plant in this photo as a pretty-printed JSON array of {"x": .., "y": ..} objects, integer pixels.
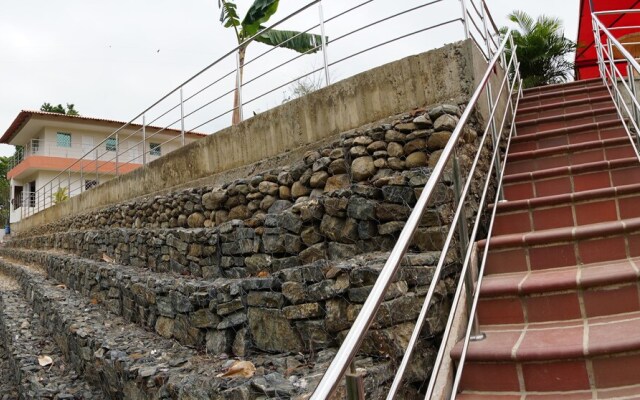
[{"x": 252, "y": 24}]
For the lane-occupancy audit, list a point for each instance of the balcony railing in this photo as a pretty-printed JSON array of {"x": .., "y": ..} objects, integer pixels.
[{"x": 131, "y": 154}]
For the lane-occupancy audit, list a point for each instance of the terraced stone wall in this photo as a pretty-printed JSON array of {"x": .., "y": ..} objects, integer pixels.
[
  {"x": 280, "y": 262},
  {"x": 350, "y": 197}
]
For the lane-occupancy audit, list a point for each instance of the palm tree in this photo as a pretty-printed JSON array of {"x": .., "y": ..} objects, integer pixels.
[
  {"x": 541, "y": 48},
  {"x": 259, "y": 13}
]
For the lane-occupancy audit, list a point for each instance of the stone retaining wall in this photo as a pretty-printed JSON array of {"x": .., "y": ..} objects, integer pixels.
[
  {"x": 350, "y": 197},
  {"x": 298, "y": 309}
]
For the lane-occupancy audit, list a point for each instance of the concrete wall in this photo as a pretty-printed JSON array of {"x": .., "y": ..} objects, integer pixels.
[{"x": 446, "y": 74}]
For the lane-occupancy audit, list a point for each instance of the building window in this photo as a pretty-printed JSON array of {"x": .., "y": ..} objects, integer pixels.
[
  {"x": 89, "y": 184},
  {"x": 155, "y": 149},
  {"x": 63, "y": 139},
  {"x": 111, "y": 144}
]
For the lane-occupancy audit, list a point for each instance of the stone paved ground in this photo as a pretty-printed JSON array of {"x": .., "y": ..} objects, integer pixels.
[{"x": 34, "y": 360}]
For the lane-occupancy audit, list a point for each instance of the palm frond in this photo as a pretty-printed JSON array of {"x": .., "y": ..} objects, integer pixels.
[
  {"x": 228, "y": 14},
  {"x": 542, "y": 49},
  {"x": 259, "y": 13},
  {"x": 297, "y": 41}
]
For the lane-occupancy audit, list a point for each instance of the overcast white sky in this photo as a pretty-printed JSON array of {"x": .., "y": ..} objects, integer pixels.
[{"x": 112, "y": 59}]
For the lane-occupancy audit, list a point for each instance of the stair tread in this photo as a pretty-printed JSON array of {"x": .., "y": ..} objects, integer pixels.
[
  {"x": 566, "y": 130},
  {"x": 625, "y": 392},
  {"x": 555, "y": 235},
  {"x": 564, "y": 104},
  {"x": 26, "y": 340},
  {"x": 572, "y": 169},
  {"x": 561, "y": 91},
  {"x": 585, "y": 82},
  {"x": 567, "y": 198},
  {"x": 558, "y": 279},
  {"x": 587, "y": 338},
  {"x": 569, "y": 148},
  {"x": 566, "y": 117}
]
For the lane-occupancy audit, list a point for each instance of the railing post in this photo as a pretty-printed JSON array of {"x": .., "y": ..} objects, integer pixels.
[
  {"x": 614, "y": 80},
  {"x": 144, "y": 139},
  {"x": 463, "y": 238},
  {"x": 354, "y": 384},
  {"x": 117, "y": 151},
  {"x": 325, "y": 56},
  {"x": 634, "y": 94},
  {"x": 239, "y": 86},
  {"x": 181, "y": 119},
  {"x": 97, "y": 155},
  {"x": 494, "y": 134},
  {"x": 465, "y": 19}
]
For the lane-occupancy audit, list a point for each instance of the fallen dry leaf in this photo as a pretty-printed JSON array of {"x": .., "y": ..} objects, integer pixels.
[
  {"x": 108, "y": 259},
  {"x": 240, "y": 369},
  {"x": 61, "y": 286},
  {"x": 93, "y": 301},
  {"x": 44, "y": 361},
  {"x": 263, "y": 274}
]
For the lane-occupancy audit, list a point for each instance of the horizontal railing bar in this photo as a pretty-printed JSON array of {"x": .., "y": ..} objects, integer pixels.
[
  {"x": 280, "y": 65},
  {"x": 395, "y": 39},
  {"x": 282, "y": 85},
  {"x": 383, "y": 20},
  {"x": 480, "y": 31},
  {"x": 207, "y": 104},
  {"x": 215, "y": 118},
  {"x": 609, "y": 12}
]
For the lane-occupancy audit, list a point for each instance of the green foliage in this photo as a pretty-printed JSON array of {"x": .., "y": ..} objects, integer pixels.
[
  {"x": 60, "y": 195},
  {"x": 307, "y": 43},
  {"x": 259, "y": 13},
  {"x": 5, "y": 191},
  {"x": 59, "y": 109},
  {"x": 541, "y": 48}
]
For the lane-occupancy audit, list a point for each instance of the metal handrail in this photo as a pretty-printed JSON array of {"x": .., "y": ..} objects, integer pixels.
[
  {"x": 351, "y": 344},
  {"x": 614, "y": 80}
]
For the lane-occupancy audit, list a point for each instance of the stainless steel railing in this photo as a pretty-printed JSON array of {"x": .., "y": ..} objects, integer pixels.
[
  {"x": 352, "y": 33},
  {"x": 511, "y": 89},
  {"x": 613, "y": 59}
]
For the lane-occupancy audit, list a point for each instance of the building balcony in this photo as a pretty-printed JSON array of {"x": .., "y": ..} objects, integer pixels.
[{"x": 49, "y": 155}]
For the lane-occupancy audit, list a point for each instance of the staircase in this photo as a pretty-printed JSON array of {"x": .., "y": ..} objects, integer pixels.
[{"x": 560, "y": 300}]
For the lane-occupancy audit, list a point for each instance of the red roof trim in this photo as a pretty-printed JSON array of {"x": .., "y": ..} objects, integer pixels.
[{"x": 24, "y": 116}]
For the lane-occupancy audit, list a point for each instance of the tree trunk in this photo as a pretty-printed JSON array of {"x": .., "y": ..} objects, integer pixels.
[{"x": 236, "y": 96}]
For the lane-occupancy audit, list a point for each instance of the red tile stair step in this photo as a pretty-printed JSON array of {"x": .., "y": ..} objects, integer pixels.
[
  {"x": 597, "y": 82},
  {"x": 563, "y": 108},
  {"x": 563, "y": 247},
  {"x": 573, "y": 154},
  {"x": 559, "y": 94},
  {"x": 572, "y": 179},
  {"x": 562, "y": 121},
  {"x": 560, "y": 301},
  {"x": 570, "y": 135},
  {"x": 568, "y": 209}
]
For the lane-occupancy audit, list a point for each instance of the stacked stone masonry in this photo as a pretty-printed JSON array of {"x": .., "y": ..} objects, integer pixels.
[{"x": 273, "y": 269}]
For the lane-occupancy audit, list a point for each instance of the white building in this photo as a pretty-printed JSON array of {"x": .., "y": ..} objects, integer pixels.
[{"x": 59, "y": 156}]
